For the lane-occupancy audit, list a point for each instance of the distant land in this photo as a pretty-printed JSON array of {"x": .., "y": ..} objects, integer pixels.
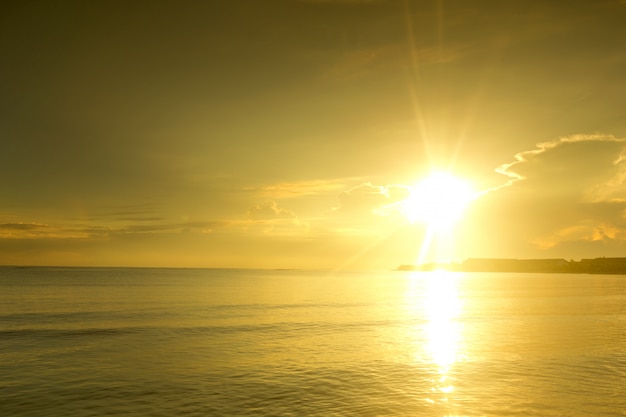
[{"x": 584, "y": 266}]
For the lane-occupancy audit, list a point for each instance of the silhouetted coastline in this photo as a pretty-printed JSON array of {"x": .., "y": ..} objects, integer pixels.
[{"x": 584, "y": 266}]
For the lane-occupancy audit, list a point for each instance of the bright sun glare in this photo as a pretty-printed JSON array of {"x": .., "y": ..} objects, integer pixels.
[{"x": 438, "y": 201}]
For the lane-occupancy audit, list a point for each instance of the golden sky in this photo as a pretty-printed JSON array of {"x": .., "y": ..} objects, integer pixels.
[{"x": 288, "y": 134}]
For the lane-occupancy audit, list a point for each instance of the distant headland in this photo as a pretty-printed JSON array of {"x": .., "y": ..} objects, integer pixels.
[{"x": 584, "y": 266}]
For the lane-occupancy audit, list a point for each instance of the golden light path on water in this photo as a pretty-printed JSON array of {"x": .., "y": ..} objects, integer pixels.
[{"x": 435, "y": 295}]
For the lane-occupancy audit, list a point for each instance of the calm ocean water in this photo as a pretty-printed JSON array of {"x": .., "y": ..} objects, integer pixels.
[{"x": 176, "y": 342}]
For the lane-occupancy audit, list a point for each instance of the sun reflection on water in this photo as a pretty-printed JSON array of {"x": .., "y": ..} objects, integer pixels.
[{"x": 441, "y": 306}]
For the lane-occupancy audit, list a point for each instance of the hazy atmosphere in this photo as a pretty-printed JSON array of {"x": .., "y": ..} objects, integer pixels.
[{"x": 295, "y": 134}]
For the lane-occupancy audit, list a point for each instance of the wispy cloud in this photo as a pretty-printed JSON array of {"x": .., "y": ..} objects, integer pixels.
[
  {"x": 368, "y": 198},
  {"x": 34, "y": 230},
  {"x": 305, "y": 188},
  {"x": 587, "y": 232},
  {"x": 514, "y": 170},
  {"x": 271, "y": 219},
  {"x": 22, "y": 226},
  {"x": 269, "y": 210},
  {"x": 572, "y": 189},
  {"x": 204, "y": 227}
]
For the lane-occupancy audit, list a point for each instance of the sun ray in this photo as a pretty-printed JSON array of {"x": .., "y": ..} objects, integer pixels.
[{"x": 438, "y": 202}]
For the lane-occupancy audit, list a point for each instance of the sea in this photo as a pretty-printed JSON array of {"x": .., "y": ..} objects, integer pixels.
[{"x": 228, "y": 342}]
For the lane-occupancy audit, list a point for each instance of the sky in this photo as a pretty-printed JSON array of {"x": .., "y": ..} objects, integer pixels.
[{"x": 289, "y": 134}]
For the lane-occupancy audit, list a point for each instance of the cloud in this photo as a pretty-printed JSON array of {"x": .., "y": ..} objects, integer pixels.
[
  {"x": 371, "y": 199},
  {"x": 203, "y": 227},
  {"x": 33, "y": 230},
  {"x": 269, "y": 210},
  {"x": 362, "y": 209},
  {"x": 572, "y": 189},
  {"x": 22, "y": 226},
  {"x": 24, "y": 230},
  {"x": 304, "y": 188},
  {"x": 588, "y": 232},
  {"x": 365, "y": 210},
  {"x": 581, "y": 152},
  {"x": 271, "y": 219},
  {"x": 331, "y": 207},
  {"x": 43, "y": 231}
]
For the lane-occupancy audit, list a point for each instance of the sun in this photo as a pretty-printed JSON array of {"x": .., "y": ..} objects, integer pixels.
[{"x": 438, "y": 201}]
